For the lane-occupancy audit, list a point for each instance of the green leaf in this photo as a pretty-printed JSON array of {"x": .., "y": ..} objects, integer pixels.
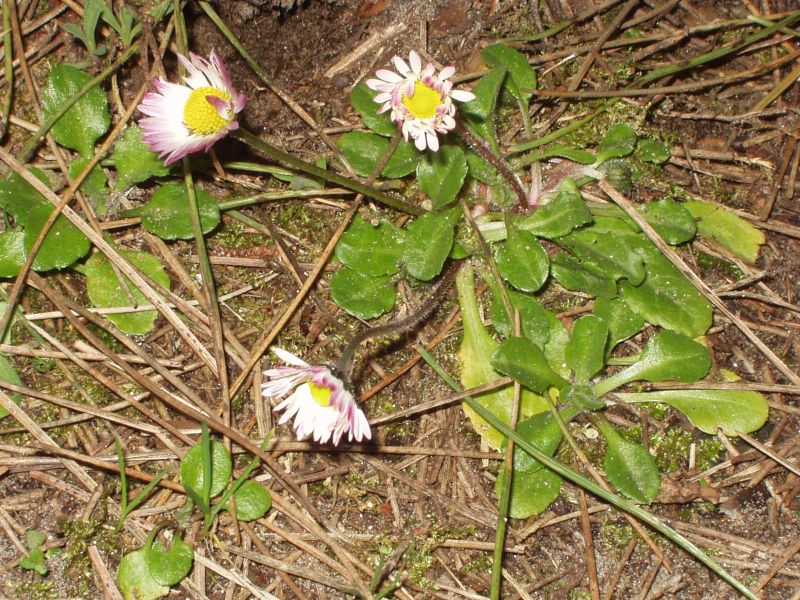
[
  {"x": 666, "y": 298},
  {"x": 12, "y": 253},
  {"x": 523, "y": 360},
  {"x": 672, "y": 221},
  {"x": 486, "y": 91},
  {"x": 558, "y": 217},
  {"x": 363, "y": 296},
  {"x": 134, "y": 161},
  {"x": 522, "y": 261},
  {"x": 667, "y": 356},
  {"x": 427, "y": 244},
  {"x": 542, "y": 431},
  {"x": 167, "y": 214},
  {"x": 531, "y": 492},
  {"x": 578, "y": 155},
  {"x": 192, "y": 475},
  {"x": 475, "y": 357},
  {"x": 403, "y": 161},
  {"x": 169, "y": 566},
  {"x": 64, "y": 243},
  {"x": 9, "y": 375},
  {"x": 94, "y": 186},
  {"x": 652, "y": 150},
  {"x": 629, "y": 467},
  {"x": 371, "y": 250},
  {"x": 106, "y": 291},
  {"x": 555, "y": 350},
  {"x": 253, "y": 501},
  {"x": 34, "y": 561},
  {"x": 582, "y": 397},
  {"x": 580, "y": 277},
  {"x": 735, "y": 411},
  {"x": 534, "y": 322},
  {"x": 727, "y": 229},
  {"x": 134, "y": 578},
  {"x": 619, "y": 142},
  {"x": 363, "y": 150},
  {"x": 586, "y": 350},
  {"x": 520, "y": 73},
  {"x": 479, "y": 169},
  {"x": 86, "y": 120},
  {"x": 614, "y": 256},
  {"x": 34, "y": 539},
  {"x": 362, "y": 100},
  {"x": 441, "y": 174},
  {"x": 621, "y": 320}
]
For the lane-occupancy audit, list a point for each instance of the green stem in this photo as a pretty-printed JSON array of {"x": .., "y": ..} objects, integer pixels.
[
  {"x": 589, "y": 485},
  {"x": 301, "y": 165}
]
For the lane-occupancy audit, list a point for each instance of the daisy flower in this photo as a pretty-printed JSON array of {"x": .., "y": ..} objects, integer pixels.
[
  {"x": 319, "y": 402},
  {"x": 421, "y": 101},
  {"x": 189, "y": 117}
]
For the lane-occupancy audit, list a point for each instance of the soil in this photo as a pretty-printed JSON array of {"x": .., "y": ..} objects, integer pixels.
[{"x": 434, "y": 517}]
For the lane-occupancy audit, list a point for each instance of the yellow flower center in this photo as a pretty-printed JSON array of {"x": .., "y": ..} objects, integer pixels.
[
  {"x": 423, "y": 102},
  {"x": 199, "y": 114},
  {"x": 320, "y": 394}
]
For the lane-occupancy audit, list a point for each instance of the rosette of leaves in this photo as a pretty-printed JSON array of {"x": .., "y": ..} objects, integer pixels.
[{"x": 572, "y": 369}]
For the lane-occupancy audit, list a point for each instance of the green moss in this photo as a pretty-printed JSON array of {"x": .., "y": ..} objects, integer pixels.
[
  {"x": 712, "y": 263},
  {"x": 40, "y": 589},
  {"x": 481, "y": 564},
  {"x": 707, "y": 453},
  {"x": 671, "y": 449},
  {"x": 612, "y": 536},
  {"x": 579, "y": 594}
]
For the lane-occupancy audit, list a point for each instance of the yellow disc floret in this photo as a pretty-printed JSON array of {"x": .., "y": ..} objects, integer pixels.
[
  {"x": 200, "y": 116},
  {"x": 320, "y": 394},
  {"x": 423, "y": 102}
]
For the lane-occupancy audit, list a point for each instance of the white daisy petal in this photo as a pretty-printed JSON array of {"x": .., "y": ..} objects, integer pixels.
[
  {"x": 447, "y": 73},
  {"x": 421, "y": 102},
  {"x": 178, "y": 121},
  {"x": 415, "y": 62},
  {"x": 315, "y": 400}
]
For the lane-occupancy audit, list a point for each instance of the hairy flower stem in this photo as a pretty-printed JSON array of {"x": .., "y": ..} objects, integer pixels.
[
  {"x": 483, "y": 150},
  {"x": 344, "y": 365}
]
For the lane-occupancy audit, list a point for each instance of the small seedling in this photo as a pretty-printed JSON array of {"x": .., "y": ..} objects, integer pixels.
[{"x": 34, "y": 560}]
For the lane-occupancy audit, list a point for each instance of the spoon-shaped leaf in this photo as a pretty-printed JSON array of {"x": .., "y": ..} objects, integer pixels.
[
  {"x": 586, "y": 350},
  {"x": 666, "y": 356},
  {"x": 733, "y": 410},
  {"x": 523, "y": 360},
  {"x": 629, "y": 467}
]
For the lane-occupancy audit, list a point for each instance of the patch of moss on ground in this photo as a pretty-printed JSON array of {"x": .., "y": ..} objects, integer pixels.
[
  {"x": 613, "y": 537},
  {"x": 671, "y": 449}
]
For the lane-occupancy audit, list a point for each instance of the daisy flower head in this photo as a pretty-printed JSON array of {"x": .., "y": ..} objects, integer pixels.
[
  {"x": 318, "y": 400},
  {"x": 191, "y": 116},
  {"x": 420, "y": 100}
]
